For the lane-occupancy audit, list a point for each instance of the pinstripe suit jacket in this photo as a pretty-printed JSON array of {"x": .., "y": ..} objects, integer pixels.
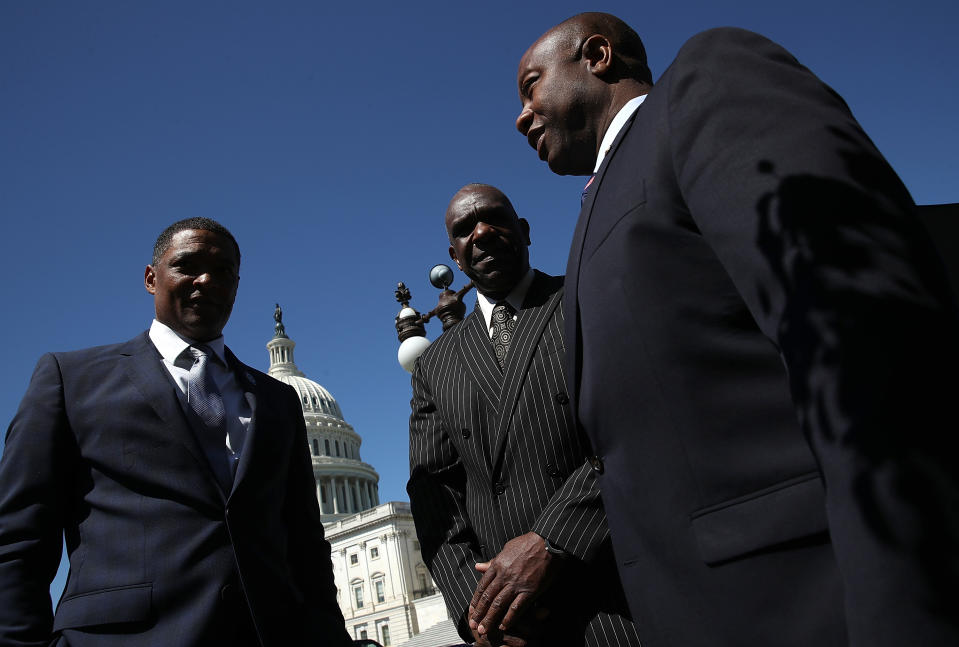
[{"x": 494, "y": 454}]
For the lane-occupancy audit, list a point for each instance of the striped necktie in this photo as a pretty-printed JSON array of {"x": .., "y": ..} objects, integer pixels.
[{"x": 582, "y": 199}]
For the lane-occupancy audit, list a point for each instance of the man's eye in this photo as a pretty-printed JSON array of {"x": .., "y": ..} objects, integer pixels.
[{"x": 528, "y": 85}]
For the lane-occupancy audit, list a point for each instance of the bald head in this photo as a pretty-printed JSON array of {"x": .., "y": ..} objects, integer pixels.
[
  {"x": 629, "y": 52},
  {"x": 488, "y": 241},
  {"x": 572, "y": 82},
  {"x": 472, "y": 193}
]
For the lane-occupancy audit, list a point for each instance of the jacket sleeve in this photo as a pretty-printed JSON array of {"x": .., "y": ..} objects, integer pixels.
[
  {"x": 309, "y": 552},
  {"x": 574, "y": 519},
  {"x": 34, "y": 471},
  {"x": 437, "y": 491},
  {"x": 820, "y": 238}
]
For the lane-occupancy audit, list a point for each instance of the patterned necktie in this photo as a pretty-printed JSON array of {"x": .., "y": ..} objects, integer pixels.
[
  {"x": 202, "y": 395},
  {"x": 582, "y": 199},
  {"x": 503, "y": 325}
]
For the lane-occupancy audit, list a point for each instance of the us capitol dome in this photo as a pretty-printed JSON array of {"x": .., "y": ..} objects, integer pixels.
[{"x": 345, "y": 484}]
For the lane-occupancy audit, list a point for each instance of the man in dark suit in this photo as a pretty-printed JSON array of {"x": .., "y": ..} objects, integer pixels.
[
  {"x": 506, "y": 507},
  {"x": 179, "y": 477},
  {"x": 762, "y": 348}
]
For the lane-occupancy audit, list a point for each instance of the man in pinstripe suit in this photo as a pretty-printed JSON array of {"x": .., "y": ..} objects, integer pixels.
[{"x": 506, "y": 507}]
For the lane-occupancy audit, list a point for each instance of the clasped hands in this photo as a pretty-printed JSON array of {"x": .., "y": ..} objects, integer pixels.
[{"x": 502, "y": 610}]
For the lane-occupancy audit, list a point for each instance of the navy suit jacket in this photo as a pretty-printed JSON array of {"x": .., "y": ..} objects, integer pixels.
[
  {"x": 101, "y": 452},
  {"x": 763, "y": 353}
]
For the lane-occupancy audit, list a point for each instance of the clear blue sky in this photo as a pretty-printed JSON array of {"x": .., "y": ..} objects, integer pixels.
[{"x": 329, "y": 138}]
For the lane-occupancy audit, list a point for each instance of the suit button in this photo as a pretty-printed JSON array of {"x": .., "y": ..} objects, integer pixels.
[
  {"x": 226, "y": 593},
  {"x": 562, "y": 398},
  {"x": 596, "y": 463},
  {"x": 551, "y": 470},
  {"x": 466, "y": 433},
  {"x": 500, "y": 488}
]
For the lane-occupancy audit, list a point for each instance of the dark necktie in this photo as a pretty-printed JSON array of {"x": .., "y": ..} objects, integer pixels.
[
  {"x": 582, "y": 199},
  {"x": 503, "y": 325}
]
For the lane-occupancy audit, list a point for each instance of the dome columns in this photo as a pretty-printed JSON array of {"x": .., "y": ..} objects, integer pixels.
[{"x": 340, "y": 495}]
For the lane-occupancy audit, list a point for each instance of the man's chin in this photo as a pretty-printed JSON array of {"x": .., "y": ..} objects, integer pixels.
[
  {"x": 564, "y": 166},
  {"x": 495, "y": 287},
  {"x": 200, "y": 331}
]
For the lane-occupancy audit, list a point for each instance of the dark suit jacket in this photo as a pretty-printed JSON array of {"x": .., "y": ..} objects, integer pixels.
[
  {"x": 494, "y": 455},
  {"x": 763, "y": 354},
  {"x": 100, "y": 451}
]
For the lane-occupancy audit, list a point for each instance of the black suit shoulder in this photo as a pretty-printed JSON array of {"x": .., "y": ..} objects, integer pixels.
[
  {"x": 543, "y": 287},
  {"x": 98, "y": 353}
]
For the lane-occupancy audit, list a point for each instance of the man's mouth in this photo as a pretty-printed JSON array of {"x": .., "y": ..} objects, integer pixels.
[
  {"x": 484, "y": 259},
  {"x": 201, "y": 302},
  {"x": 536, "y": 138}
]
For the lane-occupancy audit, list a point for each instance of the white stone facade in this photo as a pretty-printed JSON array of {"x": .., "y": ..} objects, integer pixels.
[{"x": 380, "y": 576}]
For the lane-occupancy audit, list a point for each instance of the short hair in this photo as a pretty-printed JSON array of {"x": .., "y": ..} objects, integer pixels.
[
  {"x": 626, "y": 42},
  {"x": 204, "y": 224}
]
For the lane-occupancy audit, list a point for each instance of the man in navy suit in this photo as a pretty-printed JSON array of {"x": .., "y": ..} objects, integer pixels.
[
  {"x": 762, "y": 345},
  {"x": 179, "y": 477}
]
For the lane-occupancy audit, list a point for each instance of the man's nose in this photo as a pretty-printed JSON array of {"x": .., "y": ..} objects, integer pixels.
[
  {"x": 204, "y": 278},
  {"x": 482, "y": 230},
  {"x": 524, "y": 121}
]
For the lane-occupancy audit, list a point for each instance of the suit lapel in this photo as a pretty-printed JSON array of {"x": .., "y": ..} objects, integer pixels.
[
  {"x": 248, "y": 382},
  {"x": 533, "y": 317},
  {"x": 144, "y": 367},
  {"x": 476, "y": 354},
  {"x": 572, "y": 327}
]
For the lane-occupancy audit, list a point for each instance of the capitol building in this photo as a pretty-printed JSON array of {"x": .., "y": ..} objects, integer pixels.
[{"x": 384, "y": 589}]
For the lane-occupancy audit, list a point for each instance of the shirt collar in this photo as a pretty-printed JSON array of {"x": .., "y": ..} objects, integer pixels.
[
  {"x": 171, "y": 345},
  {"x": 515, "y": 298},
  {"x": 615, "y": 126}
]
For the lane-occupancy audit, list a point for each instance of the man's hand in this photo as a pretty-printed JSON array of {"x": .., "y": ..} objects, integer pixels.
[
  {"x": 480, "y": 640},
  {"x": 511, "y": 581},
  {"x": 522, "y": 634}
]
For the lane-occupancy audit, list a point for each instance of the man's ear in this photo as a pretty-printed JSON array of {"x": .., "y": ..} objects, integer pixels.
[
  {"x": 454, "y": 259},
  {"x": 150, "y": 280},
  {"x": 598, "y": 53},
  {"x": 525, "y": 227}
]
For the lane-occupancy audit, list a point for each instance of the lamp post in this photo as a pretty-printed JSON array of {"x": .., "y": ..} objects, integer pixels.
[{"x": 411, "y": 325}]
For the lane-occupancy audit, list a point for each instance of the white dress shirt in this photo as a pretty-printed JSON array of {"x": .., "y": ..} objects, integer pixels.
[
  {"x": 615, "y": 126},
  {"x": 239, "y": 412},
  {"x": 515, "y": 298}
]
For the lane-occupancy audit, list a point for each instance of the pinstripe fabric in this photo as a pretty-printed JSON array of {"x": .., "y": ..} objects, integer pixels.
[{"x": 494, "y": 454}]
